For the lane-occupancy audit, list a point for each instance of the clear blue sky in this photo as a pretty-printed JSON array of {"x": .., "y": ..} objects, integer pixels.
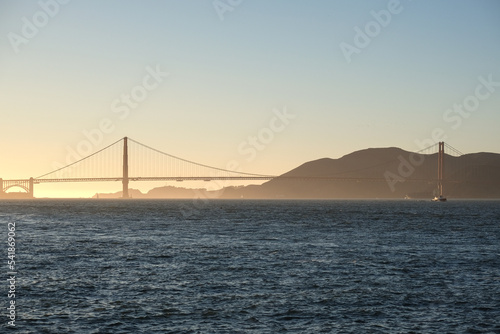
[{"x": 230, "y": 66}]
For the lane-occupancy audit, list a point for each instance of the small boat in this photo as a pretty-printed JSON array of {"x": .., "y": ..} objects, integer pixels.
[{"x": 441, "y": 198}]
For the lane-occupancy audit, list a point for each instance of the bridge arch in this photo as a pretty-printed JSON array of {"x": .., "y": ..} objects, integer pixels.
[
  {"x": 16, "y": 185},
  {"x": 26, "y": 185}
]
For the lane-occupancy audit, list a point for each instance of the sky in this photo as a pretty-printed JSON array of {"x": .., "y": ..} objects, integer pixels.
[{"x": 200, "y": 79}]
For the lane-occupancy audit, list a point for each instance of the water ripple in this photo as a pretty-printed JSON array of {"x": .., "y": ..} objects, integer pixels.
[{"x": 257, "y": 266}]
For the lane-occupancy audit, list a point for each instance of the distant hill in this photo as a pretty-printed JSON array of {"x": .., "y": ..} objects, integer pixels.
[
  {"x": 386, "y": 173},
  {"x": 370, "y": 173},
  {"x": 162, "y": 192}
]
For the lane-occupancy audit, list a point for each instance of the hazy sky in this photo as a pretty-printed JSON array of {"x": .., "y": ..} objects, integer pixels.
[{"x": 198, "y": 78}]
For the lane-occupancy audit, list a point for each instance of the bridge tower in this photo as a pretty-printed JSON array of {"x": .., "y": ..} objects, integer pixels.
[
  {"x": 440, "y": 168},
  {"x": 1, "y": 188},
  {"x": 125, "y": 168},
  {"x": 31, "y": 188}
]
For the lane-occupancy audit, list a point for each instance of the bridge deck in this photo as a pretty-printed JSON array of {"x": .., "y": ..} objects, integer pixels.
[{"x": 228, "y": 178}]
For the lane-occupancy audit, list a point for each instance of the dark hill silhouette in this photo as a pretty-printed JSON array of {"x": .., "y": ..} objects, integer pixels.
[{"x": 365, "y": 175}]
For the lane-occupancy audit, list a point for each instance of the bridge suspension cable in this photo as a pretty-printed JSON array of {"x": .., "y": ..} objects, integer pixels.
[
  {"x": 454, "y": 150},
  {"x": 145, "y": 162},
  {"x": 188, "y": 162},
  {"x": 95, "y": 166}
]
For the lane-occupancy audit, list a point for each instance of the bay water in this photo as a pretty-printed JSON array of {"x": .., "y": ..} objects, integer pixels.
[{"x": 260, "y": 266}]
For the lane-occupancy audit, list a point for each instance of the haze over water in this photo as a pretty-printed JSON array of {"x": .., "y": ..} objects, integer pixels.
[{"x": 231, "y": 266}]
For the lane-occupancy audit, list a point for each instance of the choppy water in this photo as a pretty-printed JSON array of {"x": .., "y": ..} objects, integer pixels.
[{"x": 111, "y": 266}]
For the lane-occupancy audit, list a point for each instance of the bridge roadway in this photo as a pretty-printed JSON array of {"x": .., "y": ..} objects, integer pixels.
[{"x": 221, "y": 178}]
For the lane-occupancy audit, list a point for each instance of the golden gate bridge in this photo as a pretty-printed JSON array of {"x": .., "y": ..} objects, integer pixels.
[{"x": 127, "y": 160}]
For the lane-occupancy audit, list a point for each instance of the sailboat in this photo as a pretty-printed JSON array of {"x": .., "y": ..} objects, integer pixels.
[{"x": 441, "y": 198}]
